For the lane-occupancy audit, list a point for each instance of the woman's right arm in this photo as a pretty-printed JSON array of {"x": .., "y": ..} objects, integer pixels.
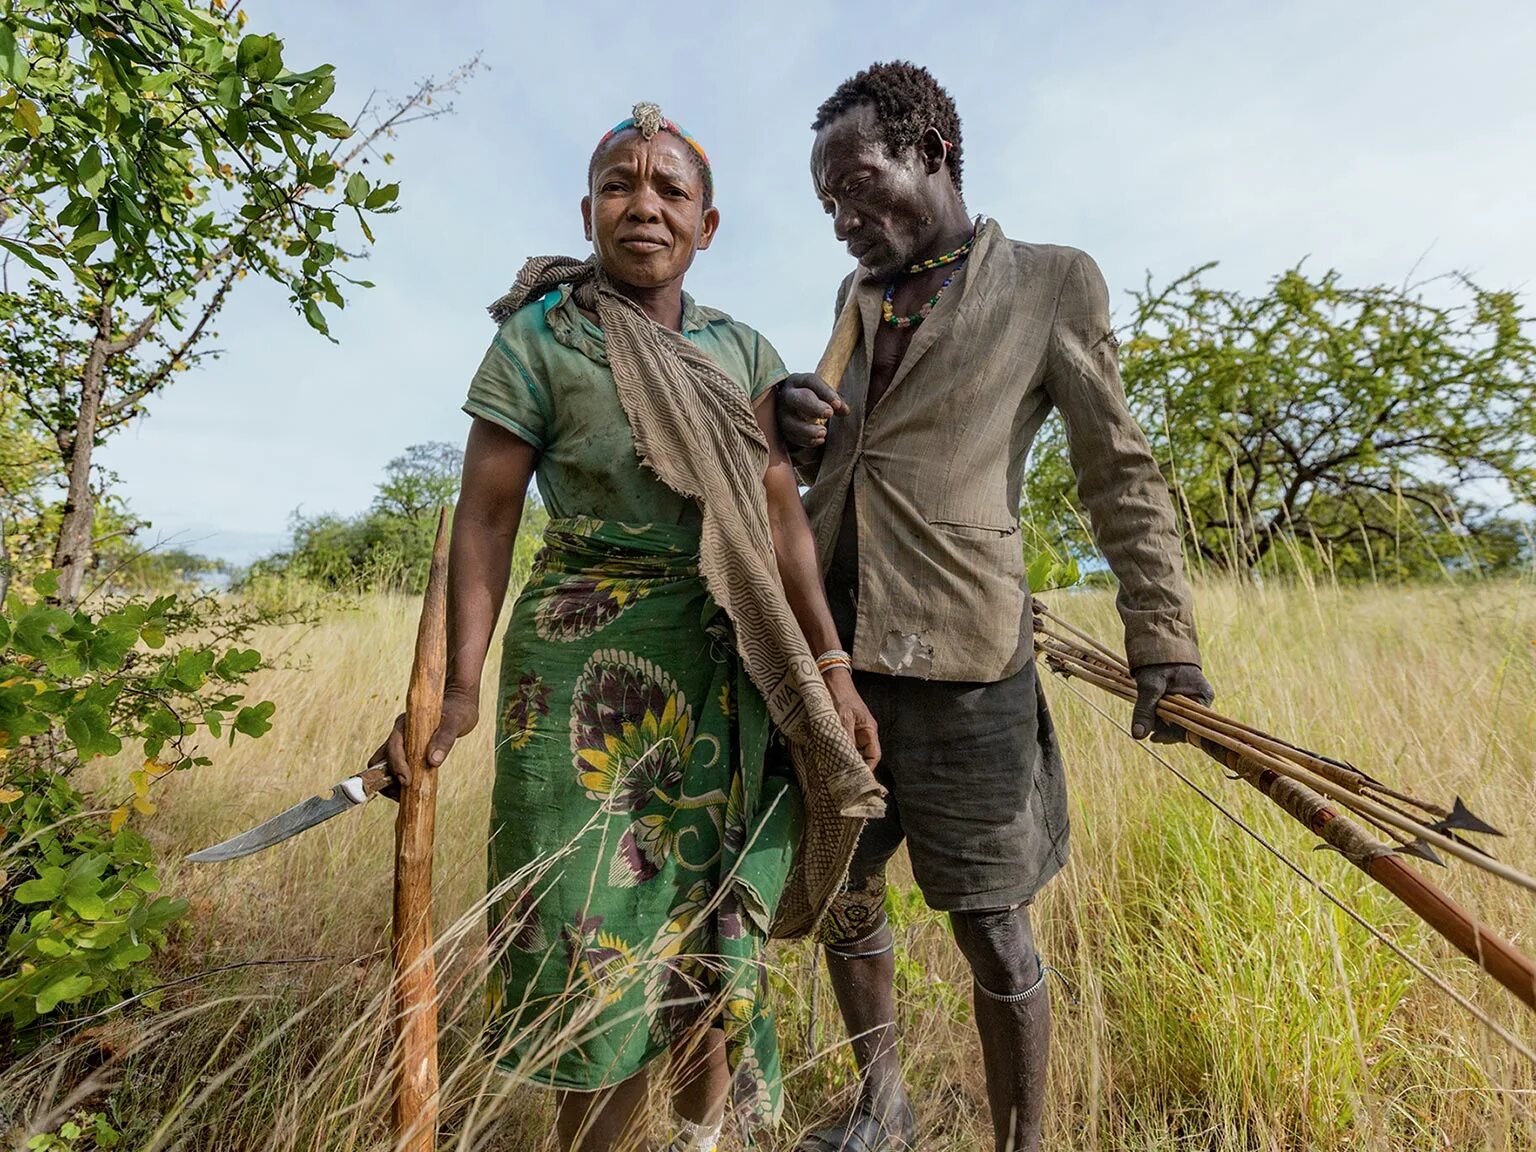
[{"x": 497, "y": 468}]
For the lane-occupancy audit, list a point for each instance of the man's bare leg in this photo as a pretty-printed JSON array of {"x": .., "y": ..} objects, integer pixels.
[
  {"x": 863, "y": 975},
  {"x": 1013, "y": 1017}
]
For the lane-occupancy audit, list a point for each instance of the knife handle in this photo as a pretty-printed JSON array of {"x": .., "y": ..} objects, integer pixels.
[{"x": 374, "y": 780}]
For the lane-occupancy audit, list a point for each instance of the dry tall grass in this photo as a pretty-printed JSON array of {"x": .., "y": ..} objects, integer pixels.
[{"x": 1210, "y": 999}]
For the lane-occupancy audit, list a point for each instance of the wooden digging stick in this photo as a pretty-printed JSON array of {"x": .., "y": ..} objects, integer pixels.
[
  {"x": 414, "y": 1106},
  {"x": 845, "y": 338}
]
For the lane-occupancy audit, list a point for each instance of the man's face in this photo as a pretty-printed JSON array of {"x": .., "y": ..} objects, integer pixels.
[
  {"x": 881, "y": 205},
  {"x": 645, "y": 213}
]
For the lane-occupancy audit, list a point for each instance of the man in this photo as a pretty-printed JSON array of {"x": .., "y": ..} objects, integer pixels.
[{"x": 968, "y": 340}]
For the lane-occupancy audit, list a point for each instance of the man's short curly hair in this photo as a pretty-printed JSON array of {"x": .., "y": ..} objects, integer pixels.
[{"x": 907, "y": 101}]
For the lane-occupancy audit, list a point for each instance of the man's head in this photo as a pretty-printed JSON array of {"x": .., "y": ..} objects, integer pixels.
[
  {"x": 650, "y": 200},
  {"x": 886, "y": 162}
]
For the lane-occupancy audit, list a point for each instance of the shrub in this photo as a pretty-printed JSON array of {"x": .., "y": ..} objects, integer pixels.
[{"x": 80, "y": 905}]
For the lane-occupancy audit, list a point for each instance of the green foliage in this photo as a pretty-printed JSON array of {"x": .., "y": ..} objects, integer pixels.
[
  {"x": 79, "y": 906},
  {"x": 389, "y": 547},
  {"x": 84, "y": 1130},
  {"x": 145, "y": 141},
  {"x": 420, "y": 481},
  {"x": 1321, "y": 427},
  {"x": 151, "y": 157},
  {"x": 163, "y": 569}
]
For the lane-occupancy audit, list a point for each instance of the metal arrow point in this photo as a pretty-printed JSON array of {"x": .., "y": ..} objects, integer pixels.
[{"x": 350, "y": 793}]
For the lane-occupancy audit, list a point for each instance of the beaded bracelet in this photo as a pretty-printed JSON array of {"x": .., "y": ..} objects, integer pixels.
[{"x": 836, "y": 658}]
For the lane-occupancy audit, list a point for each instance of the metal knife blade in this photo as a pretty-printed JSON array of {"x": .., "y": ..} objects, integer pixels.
[{"x": 350, "y": 793}]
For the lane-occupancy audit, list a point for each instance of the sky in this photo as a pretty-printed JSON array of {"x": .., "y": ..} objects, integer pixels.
[{"x": 1381, "y": 139}]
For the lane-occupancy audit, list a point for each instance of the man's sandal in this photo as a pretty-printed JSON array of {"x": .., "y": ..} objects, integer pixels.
[{"x": 865, "y": 1132}]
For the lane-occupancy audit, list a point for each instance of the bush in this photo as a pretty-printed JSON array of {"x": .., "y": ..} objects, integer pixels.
[{"x": 80, "y": 909}]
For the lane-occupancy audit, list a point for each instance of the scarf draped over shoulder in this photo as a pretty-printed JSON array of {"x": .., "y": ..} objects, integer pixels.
[{"x": 694, "y": 427}]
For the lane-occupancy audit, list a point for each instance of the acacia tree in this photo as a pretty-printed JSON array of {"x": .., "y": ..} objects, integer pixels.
[
  {"x": 1367, "y": 430},
  {"x": 151, "y": 156},
  {"x": 420, "y": 480}
]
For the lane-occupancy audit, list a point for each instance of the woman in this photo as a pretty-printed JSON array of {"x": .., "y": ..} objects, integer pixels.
[{"x": 642, "y": 833}]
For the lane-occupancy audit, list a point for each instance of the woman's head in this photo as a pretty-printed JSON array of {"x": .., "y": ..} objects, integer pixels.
[{"x": 650, "y": 200}]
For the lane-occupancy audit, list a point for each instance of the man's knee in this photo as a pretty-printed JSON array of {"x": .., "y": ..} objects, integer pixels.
[
  {"x": 857, "y": 913},
  {"x": 999, "y": 945}
]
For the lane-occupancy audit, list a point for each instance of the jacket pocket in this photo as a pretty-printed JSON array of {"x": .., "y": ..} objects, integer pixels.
[{"x": 976, "y": 531}]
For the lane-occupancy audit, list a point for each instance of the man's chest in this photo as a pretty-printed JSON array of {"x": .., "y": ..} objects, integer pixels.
[{"x": 890, "y": 349}]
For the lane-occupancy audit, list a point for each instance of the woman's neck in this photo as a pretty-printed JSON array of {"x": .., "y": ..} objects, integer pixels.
[{"x": 663, "y": 304}]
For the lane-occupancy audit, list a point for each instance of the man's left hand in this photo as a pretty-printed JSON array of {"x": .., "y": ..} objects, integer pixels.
[{"x": 1153, "y": 682}]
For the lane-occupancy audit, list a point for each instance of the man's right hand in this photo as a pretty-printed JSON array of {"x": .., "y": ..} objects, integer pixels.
[
  {"x": 461, "y": 712},
  {"x": 806, "y": 402}
]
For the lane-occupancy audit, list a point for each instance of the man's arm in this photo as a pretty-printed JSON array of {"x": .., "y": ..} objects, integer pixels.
[{"x": 1127, "y": 500}]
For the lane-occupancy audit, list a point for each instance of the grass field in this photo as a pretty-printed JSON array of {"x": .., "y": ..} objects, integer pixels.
[{"x": 1210, "y": 1000}]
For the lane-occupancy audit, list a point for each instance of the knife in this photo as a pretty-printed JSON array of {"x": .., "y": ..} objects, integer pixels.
[{"x": 353, "y": 792}]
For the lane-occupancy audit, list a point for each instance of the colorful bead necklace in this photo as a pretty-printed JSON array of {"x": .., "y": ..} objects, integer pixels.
[
  {"x": 888, "y": 310},
  {"x": 959, "y": 253}
]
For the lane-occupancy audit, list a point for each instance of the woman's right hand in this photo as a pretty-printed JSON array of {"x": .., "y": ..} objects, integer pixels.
[{"x": 461, "y": 712}]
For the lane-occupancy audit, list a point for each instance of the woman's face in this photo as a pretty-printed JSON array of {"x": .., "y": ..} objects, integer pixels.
[{"x": 645, "y": 214}]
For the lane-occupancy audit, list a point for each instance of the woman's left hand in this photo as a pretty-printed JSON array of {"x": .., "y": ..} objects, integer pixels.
[{"x": 855, "y": 715}]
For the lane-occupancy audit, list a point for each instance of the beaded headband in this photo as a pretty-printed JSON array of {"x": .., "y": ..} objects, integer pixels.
[{"x": 648, "y": 120}]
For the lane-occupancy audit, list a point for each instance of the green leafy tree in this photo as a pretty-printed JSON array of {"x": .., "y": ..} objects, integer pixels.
[
  {"x": 389, "y": 547},
  {"x": 420, "y": 480},
  {"x": 1367, "y": 431},
  {"x": 151, "y": 156}
]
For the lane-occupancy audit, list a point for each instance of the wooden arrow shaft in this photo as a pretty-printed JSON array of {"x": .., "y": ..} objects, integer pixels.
[
  {"x": 1490, "y": 952},
  {"x": 415, "y": 1099}
]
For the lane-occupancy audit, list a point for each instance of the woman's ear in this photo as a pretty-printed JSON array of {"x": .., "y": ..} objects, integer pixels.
[
  {"x": 586, "y": 217},
  {"x": 707, "y": 227}
]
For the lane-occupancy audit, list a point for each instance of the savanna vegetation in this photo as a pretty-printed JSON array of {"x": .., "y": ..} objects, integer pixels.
[{"x": 1348, "y": 463}]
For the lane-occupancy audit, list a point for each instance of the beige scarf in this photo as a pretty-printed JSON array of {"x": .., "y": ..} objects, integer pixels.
[{"x": 694, "y": 427}]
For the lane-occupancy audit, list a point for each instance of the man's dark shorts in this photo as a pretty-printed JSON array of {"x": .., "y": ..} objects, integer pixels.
[{"x": 976, "y": 790}]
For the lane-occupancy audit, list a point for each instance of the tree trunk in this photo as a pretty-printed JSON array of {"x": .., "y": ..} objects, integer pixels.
[{"x": 72, "y": 553}]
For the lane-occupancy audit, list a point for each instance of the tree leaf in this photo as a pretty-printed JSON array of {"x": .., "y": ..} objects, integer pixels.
[
  {"x": 316, "y": 318},
  {"x": 27, "y": 256},
  {"x": 253, "y": 721},
  {"x": 382, "y": 195},
  {"x": 333, "y": 126},
  {"x": 43, "y": 890},
  {"x": 228, "y": 92},
  {"x": 62, "y": 990},
  {"x": 13, "y": 61},
  {"x": 357, "y": 188},
  {"x": 27, "y": 118}
]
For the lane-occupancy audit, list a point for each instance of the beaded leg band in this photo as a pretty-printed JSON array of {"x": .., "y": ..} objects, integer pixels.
[
  {"x": 841, "y": 951},
  {"x": 1017, "y": 997}
]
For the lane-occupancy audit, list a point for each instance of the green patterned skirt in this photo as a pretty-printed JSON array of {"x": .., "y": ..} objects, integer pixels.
[{"x": 639, "y": 845}]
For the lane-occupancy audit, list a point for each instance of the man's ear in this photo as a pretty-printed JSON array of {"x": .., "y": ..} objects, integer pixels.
[
  {"x": 586, "y": 217},
  {"x": 707, "y": 227},
  {"x": 932, "y": 148}
]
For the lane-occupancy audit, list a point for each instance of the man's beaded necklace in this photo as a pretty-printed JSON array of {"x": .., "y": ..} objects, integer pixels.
[{"x": 888, "y": 312}]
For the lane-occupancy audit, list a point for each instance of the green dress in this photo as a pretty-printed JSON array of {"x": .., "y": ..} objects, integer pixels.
[{"x": 640, "y": 839}]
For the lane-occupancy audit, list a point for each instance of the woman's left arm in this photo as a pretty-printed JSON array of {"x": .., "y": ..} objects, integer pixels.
[{"x": 794, "y": 548}]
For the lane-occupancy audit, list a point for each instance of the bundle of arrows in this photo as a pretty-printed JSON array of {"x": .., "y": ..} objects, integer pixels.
[{"x": 1374, "y": 827}]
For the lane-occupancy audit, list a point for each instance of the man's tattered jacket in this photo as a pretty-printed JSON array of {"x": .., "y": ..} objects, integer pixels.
[{"x": 936, "y": 469}]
